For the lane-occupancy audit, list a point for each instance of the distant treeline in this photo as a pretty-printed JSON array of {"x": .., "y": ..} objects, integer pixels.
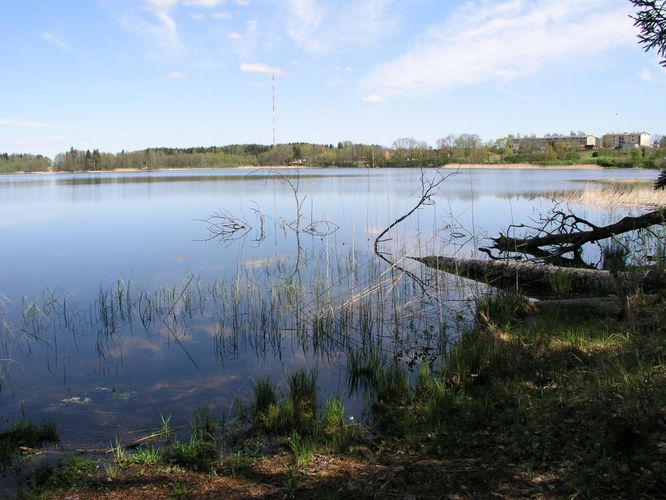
[
  {"x": 23, "y": 163},
  {"x": 405, "y": 152}
]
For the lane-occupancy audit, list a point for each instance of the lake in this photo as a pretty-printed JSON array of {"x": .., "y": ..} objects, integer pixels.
[{"x": 124, "y": 296}]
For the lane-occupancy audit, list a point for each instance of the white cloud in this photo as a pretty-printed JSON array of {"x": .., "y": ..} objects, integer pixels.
[
  {"x": 318, "y": 26},
  {"x": 177, "y": 75},
  {"x": 243, "y": 3},
  {"x": 161, "y": 4},
  {"x": 498, "y": 41},
  {"x": 201, "y": 16},
  {"x": 54, "y": 40},
  {"x": 206, "y": 4},
  {"x": 645, "y": 75},
  {"x": 159, "y": 27},
  {"x": 245, "y": 43},
  {"x": 374, "y": 98},
  {"x": 260, "y": 68},
  {"x": 8, "y": 122}
]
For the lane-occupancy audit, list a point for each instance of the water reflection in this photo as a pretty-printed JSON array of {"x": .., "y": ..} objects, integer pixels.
[{"x": 194, "y": 322}]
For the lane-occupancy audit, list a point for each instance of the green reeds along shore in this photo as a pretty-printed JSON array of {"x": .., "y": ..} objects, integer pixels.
[{"x": 578, "y": 402}]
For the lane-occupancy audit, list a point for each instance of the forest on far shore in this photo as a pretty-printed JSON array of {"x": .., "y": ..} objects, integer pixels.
[{"x": 405, "y": 152}]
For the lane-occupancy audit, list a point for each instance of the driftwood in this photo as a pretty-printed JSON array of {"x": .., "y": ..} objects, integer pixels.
[
  {"x": 539, "y": 280},
  {"x": 566, "y": 236}
]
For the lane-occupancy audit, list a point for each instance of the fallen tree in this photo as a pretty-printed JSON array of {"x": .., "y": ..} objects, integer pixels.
[
  {"x": 563, "y": 234},
  {"x": 543, "y": 281}
]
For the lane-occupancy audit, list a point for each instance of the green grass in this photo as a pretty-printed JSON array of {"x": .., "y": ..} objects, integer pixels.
[
  {"x": 298, "y": 411},
  {"x": 560, "y": 283},
  {"x": 144, "y": 456},
  {"x": 303, "y": 448},
  {"x": 202, "y": 424},
  {"x": 583, "y": 400},
  {"x": 70, "y": 473},
  {"x": 264, "y": 396},
  {"x": 25, "y": 434},
  {"x": 195, "y": 455}
]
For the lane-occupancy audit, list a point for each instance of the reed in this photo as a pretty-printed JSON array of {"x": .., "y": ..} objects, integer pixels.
[
  {"x": 264, "y": 396},
  {"x": 303, "y": 449},
  {"x": 614, "y": 194}
]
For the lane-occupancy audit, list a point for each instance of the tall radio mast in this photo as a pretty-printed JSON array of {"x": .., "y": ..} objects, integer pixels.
[{"x": 273, "y": 109}]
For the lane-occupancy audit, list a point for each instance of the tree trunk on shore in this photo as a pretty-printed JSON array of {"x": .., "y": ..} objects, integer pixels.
[{"x": 543, "y": 281}]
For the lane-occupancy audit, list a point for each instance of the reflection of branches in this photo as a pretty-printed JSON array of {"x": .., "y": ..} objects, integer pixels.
[
  {"x": 321, "y": 228},
  {"x": 173, "y": 333},
  {"x": 428, "y": 190},
  {"x": 226, "y": 227},
  {"x": 261, "y": 235}
]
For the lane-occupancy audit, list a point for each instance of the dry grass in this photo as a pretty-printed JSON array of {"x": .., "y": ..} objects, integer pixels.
[{"x": 614, "y": 193}]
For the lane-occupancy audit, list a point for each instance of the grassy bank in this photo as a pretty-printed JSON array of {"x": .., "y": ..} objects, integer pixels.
[{"x": 545, "y": 408}]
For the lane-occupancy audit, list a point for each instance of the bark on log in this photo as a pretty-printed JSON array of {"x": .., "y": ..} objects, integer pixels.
[{"x": 539, "y": 280}]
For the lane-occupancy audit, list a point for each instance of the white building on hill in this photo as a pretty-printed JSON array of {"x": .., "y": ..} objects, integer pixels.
[{"x": 627, "y": 140}]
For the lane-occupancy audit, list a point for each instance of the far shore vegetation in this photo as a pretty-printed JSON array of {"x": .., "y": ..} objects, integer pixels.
[{"x": 465, "y": 149}]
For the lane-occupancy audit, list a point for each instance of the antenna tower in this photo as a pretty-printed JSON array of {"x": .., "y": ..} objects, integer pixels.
[{"x": 273, "y": 109}]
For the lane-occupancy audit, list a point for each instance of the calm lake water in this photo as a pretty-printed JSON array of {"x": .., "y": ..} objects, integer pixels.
[{"x": 117, "y": 303}]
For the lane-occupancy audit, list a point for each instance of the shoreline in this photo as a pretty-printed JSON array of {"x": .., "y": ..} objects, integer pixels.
[{"x": 448, "y": 166}]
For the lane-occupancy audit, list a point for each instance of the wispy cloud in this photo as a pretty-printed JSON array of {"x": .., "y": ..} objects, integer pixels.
[
  {"x": 177, "y": 75},
  {"x": 320, "y": 26},
  {"x": 206, "y": 4},
  {"x": 244, "y": 44},
  {"x": 220, "y": 14},
  {"x": 9, "y": 122},
  {"x": 645, "y": 75},
  {"x": 499, "y": 41},
  {"x": 260, "y": 68},
  {"x": 374, "y": 99},
  {"x": 158, "y": 26},
  {"x": 54, "y": 40},
  {"x": 338, "y": 80}
]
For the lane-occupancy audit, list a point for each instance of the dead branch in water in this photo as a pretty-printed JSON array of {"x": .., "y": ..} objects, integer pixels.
[
  {"x": 428, "y": 190},
  {"x": 565, "y": 233}
]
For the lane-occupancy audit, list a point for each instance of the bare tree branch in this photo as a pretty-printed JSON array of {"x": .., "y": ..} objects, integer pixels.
[{"x": 568, "y": 238}]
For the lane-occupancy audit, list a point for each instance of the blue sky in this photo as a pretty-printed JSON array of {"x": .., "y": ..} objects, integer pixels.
[{"x": 130, "y": 74}]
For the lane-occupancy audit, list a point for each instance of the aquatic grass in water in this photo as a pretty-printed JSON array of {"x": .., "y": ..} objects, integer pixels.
[
  {"x": 259, "y": 312},
  {"x": 264, "y": 395}
]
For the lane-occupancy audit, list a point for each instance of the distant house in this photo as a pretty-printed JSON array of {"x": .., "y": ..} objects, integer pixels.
[
  {"x": 581, "y": 142},
  {"x": 627, "y": 141}
]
